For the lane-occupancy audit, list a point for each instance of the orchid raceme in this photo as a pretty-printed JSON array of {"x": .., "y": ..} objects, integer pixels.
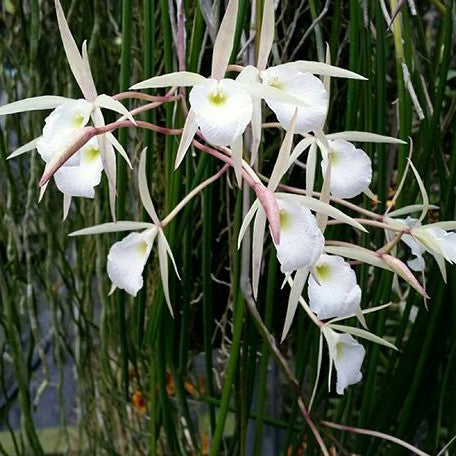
[
  {"x": 333, "y": 290},
  {"x": 347, "y": 355}
]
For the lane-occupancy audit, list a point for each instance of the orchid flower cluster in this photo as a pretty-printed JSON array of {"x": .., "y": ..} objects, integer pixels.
[{"x": 77, "y": 146}]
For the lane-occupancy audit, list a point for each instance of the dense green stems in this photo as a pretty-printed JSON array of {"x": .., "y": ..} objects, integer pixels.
[
  {"x": 263, "y": 374},
  {"x": 121, "y": 182},
  {"x": 149, "y": 142},
  {"x": 238, "y": 319},
  {"x": 351, "y": 111},
  {"x": 208, "y": 297},
  {"x": 20, "y": 367}
]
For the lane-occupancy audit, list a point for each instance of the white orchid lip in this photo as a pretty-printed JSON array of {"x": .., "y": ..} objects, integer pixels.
[
  {"x": 347, "y": 355},
  {"x": 301, "y": 241},
  {"x": 80, "y": 179},
  {"x": 335, "y": 293},
  {"x": 351, "y": 169},
  {"x": 304, "y": 86},
  {"x": 127, "y": 259},
  {"x": 223, "y": 110}
]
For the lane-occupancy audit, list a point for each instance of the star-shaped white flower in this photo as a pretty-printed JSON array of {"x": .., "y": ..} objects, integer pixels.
[{"x": 65, "y": 124}]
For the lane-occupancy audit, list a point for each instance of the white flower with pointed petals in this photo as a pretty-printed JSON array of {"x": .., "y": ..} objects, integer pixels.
[
  {"x": 347, "y": 356},
  {"x": 301, "y": 241},
  {"x": 304, "y": 86},
  {"x": 222, "y": 109},
  {"x": 351, "y": 169},
  {"x": 127, "y": 258},
  {"x": 337, "y": 294}
]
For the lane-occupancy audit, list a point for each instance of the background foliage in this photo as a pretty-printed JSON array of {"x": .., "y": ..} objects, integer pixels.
[{"x": 206, "y": 381}]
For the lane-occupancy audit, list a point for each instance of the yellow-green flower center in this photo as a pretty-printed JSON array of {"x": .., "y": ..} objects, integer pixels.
[
  {"x": 78, "y": 121},
  {"x": 284, "y": 219},
  {"x": 332, "y": 157},
  {"x": 92, "y": 154},
  {"x": 217, "y": 97},
  {"x": 142, "y": 247},
  {"x": 274, "y": 82},
  {"x": 323, "y": 271},
  {"x": 339, "y": 349}
]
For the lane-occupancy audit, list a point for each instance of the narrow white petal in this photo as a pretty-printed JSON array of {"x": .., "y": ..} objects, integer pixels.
[
  {"x": 23, "y": 149},
  {"x": 108, "y": 158},
  {"x": 311, "y": 166},
  {"x": 308, "y": 66},
  {"x": 267, "y": 34},
  {"x": 300, "y": 148},
  {"x": 283, "y": 157},
  {"x": 127, "y": 258},
  {"x": 246, "y": 222},
  {"x": 259, "y": 228},
  {"x": 351, "y": 169},
  {"x": 66, "y": 206},
  {"x": 299, "y": 281},
  {"x": 107, "y": 102},
  {"x": 304, "y": 86},
  {"x": 116, "y": 144},
  {"x": 33, "y": 104},
  {"x": 222, "y": 110},
  {"x": 301, "y": 242},
  {"x": 237, "y": 149},
  {"x": 272, "y": 94},
  {"x": 190, "y": 128},
  {"x": 112, "y": 227},
  {"x": 324, "y": 208},
  {"x": 256, "y": 130},
  {"x": 336, "y": 294},
  {"x": 364, "y": 136},
  {"x": 144, "y": 189},
  {"x": 179, "y": 78},
  {"x": 224, "y": 40},
  {"x": 75, "y": 60}
]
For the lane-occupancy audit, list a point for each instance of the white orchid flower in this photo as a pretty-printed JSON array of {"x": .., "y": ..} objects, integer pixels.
[
  {"x": 305, "y": 86},
  {"x": 82, "y": 172},
  {"x": 64, "y": 124},
  {"x": 127, "y": 258},
  {"x": 435, "y": 239},
  {"x": 351, "y": 168},
  {"x": 301, "y": 241},
  {"x": 347, "y": 356},
  {"x": 333, "y": 290}
]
